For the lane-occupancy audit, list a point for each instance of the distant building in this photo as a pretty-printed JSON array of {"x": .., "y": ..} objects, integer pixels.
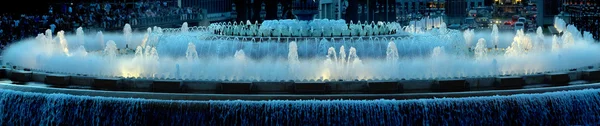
[
  {"x": 216, "y": 10},
  {"x": 584, "y": 14},
  {"x": 412, "y": 9}
]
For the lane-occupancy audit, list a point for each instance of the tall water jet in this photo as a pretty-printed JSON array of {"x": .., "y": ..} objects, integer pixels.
[
  {"x": 48, "y": 34},
  {"x": 352, "y": 57},
  {"x": 342, "y": 57},
  {"x": 331, "y": 56},
  {"x": 438, "y": 52},
  {"x": 147, "y": 51},
  {"x": 392, "y": 52},
  {"x": 110, "y": 51},
  {"x": 127, "y": 34},
  {"x": 191, "y": 54},
  {"x": 480, "y": 49},
  {"x": 184, "y": 28},
  {"x": 567, "y": 39},
  {"x": 588, "y": 37},
  {"x": 139, "y": 53},
  {"x": 48, "y": 43},
  {"x": 468, "y": 35},
  {"x": 559, "y": 24},
  {"x": 521, "y": 45},
  {"x": 293, "y": 53},
  {"x": 539, "y": 40},
  {"x": 154, "y": 54},
  {"x": 177, "y": 71},
  {"x": 240, "y": 56},
  {"x": 576, "y": 34},
  {"x": 80, "y": 52},
  {"x": 495, "y": 35},
  {"x": 146, "y": 37},
  {"x": 100, "y": 37},
  {"x": 63, "y": 42},
  {"x": 443, "y": 28},
  {"x": 292, "y": 58},
  {"x": 555, "y": 44},
  {"x": 80, "y": 36}
]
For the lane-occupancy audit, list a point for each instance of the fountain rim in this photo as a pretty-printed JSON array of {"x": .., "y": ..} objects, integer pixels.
[{"x": 262, "y": 97}]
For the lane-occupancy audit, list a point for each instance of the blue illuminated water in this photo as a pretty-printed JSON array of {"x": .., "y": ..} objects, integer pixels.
[{"x": 557, "y": 108}]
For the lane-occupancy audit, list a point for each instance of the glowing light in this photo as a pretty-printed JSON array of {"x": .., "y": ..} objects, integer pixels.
[
  {"x": 325, "y": 74},
  {"x": 130, "y": 71}
]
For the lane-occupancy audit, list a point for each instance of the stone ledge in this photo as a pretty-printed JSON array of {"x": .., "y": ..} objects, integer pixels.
[
  {"x": 167, "y": 86},
  {"x": 558, "y": 79},
  {"x": 57, "y": 80},
  {"x": 204, "y": 97},
  {"x": 20, "y": 76},
  {"x": 451, "y": 85},
  {"x": 236, "y": 87},
  {"x": 338, "y": 87},
  {"x": 107, "y": 83},
  {"x": 385, "y": 87},
  {"x": 509, "y": 82},
  {"x": 311, "y": 88},
  {"x": 273, "y": 87}
]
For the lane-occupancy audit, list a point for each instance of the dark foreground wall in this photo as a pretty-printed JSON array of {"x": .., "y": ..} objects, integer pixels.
[{"x": 571, "y": 107}]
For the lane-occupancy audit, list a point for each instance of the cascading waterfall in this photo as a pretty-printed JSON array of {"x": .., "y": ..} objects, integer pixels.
[{"x": 554, "y": 108}]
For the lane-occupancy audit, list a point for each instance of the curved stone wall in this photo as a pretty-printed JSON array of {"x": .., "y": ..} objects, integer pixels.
[{"x": 576, "y": 76}]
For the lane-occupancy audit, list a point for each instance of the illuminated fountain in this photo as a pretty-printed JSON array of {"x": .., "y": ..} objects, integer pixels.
[{"x": 215, "y": 56}]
